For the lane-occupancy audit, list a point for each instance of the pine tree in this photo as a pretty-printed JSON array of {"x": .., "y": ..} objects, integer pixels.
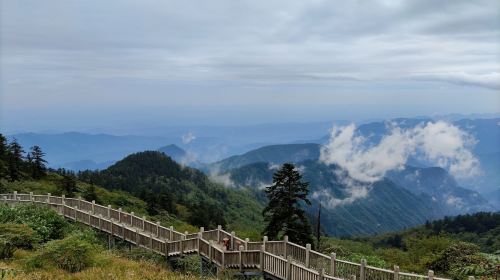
[
  {"x": 89, "y": 194},
  {"x": 284, "y": 214},
  {"x": 69, "y": 185},
  {"x": 15, "y": 161},
  {"x": 3, "y": 157},
  {"x": 38, "y": 165}
]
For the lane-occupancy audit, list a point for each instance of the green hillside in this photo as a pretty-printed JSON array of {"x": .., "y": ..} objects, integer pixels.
[
  {"x": 388, "y": 206},
  {"x": 276, "y": 154},
  {"x": 454, "y": 247},
  {"x": 184, "y": 192}
]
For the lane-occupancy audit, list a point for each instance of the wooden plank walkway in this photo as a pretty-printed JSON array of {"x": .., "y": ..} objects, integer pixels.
[{"x": 280, "y": 259}]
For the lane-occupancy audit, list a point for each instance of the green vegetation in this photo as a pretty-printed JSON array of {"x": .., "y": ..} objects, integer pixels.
[
  {"x": 70, "y": 252},
  {"x": 453, "y": 247},
  {"x": 184, "y": 192},
  {"x": 284, "y": 214}
]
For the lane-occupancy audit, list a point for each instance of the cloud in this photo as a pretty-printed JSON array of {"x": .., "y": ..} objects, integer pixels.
[
  {"x": 224, "y": 179},
  {"x": 490, "y": 80},
  {"x": 188, "y": 137},
  {"x": 441, "y": 143},
  {"x": 354, "y": 190}
]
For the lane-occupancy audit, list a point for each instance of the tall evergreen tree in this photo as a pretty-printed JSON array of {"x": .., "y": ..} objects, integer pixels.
[
  {"x": 3, "y": 157},
  {"x": 38, "y": 165},
  {"x": 15, "y": 161},
  {"x": 284, "y": 214}
]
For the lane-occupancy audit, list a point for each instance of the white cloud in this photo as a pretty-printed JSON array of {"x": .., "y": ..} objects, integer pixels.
[
  {"x": 224, "y": 179},
  {"x": 439, "y": 142},
  {"x": 188, "y": 137},
  {"x": 488, "y": 80}
]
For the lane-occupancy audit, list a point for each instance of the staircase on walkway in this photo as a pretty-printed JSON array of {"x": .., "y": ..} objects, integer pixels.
[{"x": 278, "y": 259}]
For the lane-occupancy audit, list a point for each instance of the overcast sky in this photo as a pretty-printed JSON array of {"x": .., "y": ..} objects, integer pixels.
[{"x": 70, "y": 65}]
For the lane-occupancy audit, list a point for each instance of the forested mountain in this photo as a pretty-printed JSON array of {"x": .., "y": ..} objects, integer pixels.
[
  {"x": 174, "y": 152},
  {"x": 276, "y": 154},
  {"x": 482, "y": 228},
  {"x": 442, "y": 187},
  {"x": 167, "y": 186},
  {"x": 388, "y": 205}
]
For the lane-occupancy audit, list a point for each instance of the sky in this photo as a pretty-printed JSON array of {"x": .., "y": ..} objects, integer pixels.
[{"x": 83, "y": 65}]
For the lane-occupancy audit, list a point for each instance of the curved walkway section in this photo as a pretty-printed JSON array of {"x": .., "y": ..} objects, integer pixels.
[{"x": 281, "y": 259}]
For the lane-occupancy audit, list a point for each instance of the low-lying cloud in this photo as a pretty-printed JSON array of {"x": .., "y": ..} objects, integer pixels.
[{"x": 440, "y": 143}]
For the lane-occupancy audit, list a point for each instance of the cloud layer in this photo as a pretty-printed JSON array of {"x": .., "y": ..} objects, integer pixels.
[
  {"x": 441, "y": 143},
  {"x": 175, "y": 53}
]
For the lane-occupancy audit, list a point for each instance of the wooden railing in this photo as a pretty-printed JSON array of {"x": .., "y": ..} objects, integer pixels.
[{"x": 282, "y": 259}]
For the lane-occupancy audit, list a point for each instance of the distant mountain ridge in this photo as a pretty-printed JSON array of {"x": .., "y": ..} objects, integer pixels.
[
  {"x": 174, "y": 151},
  {"x": 277, "y": 154}
]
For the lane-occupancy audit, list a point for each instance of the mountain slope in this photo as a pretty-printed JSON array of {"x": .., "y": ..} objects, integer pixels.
[
  {"x": 442, "y": 187},
  {"x": 174, "y": 151},
  {"x": 385, "y": 208},
  {"x": 277, "y": 154},
  {"x": 167, "y": 186}
]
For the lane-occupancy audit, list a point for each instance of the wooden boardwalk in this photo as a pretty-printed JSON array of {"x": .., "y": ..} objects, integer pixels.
[{"x": 280, "y": 259}]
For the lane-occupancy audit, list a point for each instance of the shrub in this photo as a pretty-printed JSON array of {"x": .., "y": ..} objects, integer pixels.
[
  {"x": 7, "y": 248},
  {"x": 47, "y": 223},
  {"x": 73, "y": 254},
  {"x": 20, "y": 235}
]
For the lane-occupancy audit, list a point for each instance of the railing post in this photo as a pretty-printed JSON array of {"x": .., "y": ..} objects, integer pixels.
[
  {"x": 232, "y": 240},
  {"x": 120, "y": 215},
  {"x": 264, "y": 240},
  {"x": 111, "y": 228},
  {"x": 151, "y": 241},
  {"x": 15, "y": 195},
  {"x": 202, "y": 229},
  {"x": 210, "y": 245},
  {"x": 198, "y": 242},
  {"x": 75, "y": 209},
  {"x": 261, "y": 258},
  {"x": 223, "y": 262},
  {"x": 183, "y": 237},
  {"x": 396, "y": 272},
  {"x": 100, "y": 221},
  {"x": 109, "y": 211},
  {"x": 31, "y": 196},
  {"x": 285, "y": 245},
  {"x": 246, "y": 243},
  {"x": 143, "y": 223},
  {"x": 132, "y": 214},
  {"x": 362, "y": 270},
  {"x": 171, "y": 234},
  {"x": 157, "y": 229},
  {"x": 240, "y": 249},
  {"x": 288, "y": 268},
  {"x": 93, "y": 206},
  {"x": 80, "y": 202},
  {"x": 166, "y": 249},
  {"x": 219, "y": 228},
  {"x": 321, "y": 274},
  {"x": 63, "y": 199},
  {"x": 48, "y": 198},
  {"x": 333, "y": 258},
  {"x": 137, "y": 237},
  {"x": 308, "y": 249},
  {"x": 430, "y": 275}
]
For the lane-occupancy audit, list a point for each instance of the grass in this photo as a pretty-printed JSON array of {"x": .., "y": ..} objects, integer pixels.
[{"x": 109, "y": 267}]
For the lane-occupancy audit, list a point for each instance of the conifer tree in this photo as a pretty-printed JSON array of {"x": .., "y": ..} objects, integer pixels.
[
  {"x": 15, "y": 161},
  {"x": 284, "y": 214},
  {"x": 38, "y": 162},
  {"x": 3, "y": 157}
]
